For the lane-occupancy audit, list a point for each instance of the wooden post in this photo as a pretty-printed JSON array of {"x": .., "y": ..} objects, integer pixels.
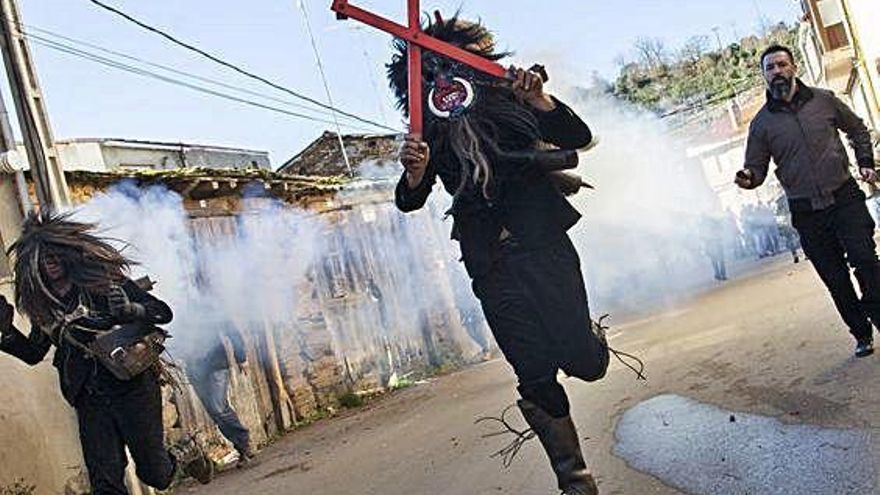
[{"x": 46, "y": 169}]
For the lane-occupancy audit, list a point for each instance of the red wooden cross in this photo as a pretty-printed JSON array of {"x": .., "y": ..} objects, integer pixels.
[{"x": 416, "y": 41}]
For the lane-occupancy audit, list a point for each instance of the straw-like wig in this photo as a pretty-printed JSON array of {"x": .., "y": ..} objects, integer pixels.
[
  {"x": 496, "y": 122},
  {"x": 90, "y": 262}
]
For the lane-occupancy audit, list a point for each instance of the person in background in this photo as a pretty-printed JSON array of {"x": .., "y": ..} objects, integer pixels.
[
  {"x": 209, "y": 373},
  {"x": 798, "y": 128},
  {"x": 73, "y": 287}
]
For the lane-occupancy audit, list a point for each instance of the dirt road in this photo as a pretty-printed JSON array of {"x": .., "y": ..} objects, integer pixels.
[{"x": 767, "y": 345}]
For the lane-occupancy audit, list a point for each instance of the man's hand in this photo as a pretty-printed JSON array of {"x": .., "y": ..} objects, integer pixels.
[
  {"x": 121, "y": 307},
  {"x": 745, "y": 178},
  {"x": 7, "y": 312},
  {"x": 529, "y": 86},
  {"x": 868, "y": 174},
  {"x": 414, "y": 155}
]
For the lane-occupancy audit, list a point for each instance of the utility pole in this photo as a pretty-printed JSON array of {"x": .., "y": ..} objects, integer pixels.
[
  {"x": 14, "y": 199},
  {"x": 46, "y": 170},
  {"x": 10, "y": 161}
]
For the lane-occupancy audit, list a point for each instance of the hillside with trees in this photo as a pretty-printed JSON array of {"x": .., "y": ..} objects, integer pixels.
[{"x": 664, "y": 80}]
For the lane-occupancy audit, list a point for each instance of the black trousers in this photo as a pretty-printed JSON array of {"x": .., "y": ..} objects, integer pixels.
[
  {"x": 842, "y": 235},
  {"x": 536, "y": 305},
  {"x": 110, "y": 422}
]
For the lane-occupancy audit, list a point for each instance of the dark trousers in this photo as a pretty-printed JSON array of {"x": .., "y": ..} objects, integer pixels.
[
  {"x": 536, "y": 305},
  {"x": 212, "y": 387},
  {"x": 110, "y": 422},
  {"x": 718, "y": 266},
  {"x": 834, "y": 237}
]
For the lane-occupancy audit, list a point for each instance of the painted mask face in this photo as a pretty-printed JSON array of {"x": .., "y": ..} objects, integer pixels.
[{"x": 449, "y": 86}]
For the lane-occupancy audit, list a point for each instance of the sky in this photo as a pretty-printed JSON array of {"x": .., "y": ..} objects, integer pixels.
[{"x": 574, "y": 39}]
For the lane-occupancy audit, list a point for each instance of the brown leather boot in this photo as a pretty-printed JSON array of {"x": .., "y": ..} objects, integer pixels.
[{"x": 560, "y": 441}]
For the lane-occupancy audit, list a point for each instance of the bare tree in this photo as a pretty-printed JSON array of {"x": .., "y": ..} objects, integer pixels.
[
  {"x": 694, "y": 48},
  {"x": 651, "y": 51}
]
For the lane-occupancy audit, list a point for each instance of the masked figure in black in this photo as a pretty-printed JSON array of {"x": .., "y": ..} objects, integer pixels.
[
  {"x": 72, "y": 287},
  {"x": 485, "y": 139}
]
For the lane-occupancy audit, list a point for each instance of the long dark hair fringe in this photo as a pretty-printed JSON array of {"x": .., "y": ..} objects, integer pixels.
[
  {"x": 90, "y": 262},
  {"x": 497, "y": 122}
]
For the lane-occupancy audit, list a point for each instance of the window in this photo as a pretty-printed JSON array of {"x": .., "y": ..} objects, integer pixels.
[
  {"x": 833, "y": 23},
  {"x": 334, "y": 266},
  {"x": 836, "y": 36}
]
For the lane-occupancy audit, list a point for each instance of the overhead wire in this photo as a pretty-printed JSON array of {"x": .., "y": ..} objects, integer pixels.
[
  {"x": 232, "y": 66},
  {"x": 369, "y": 68},
  {"x": 60, "y": 47},
  {"x": 31, "y": 29},
  {"x": 308, "y": 24}
]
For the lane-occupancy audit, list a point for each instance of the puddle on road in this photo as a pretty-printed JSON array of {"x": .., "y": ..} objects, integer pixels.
[{"x": 698, "y": 449}]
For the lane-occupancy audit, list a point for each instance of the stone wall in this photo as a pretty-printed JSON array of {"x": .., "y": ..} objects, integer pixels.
[
  {"x": 385, "y": 300},
  {"x": 355, "y": 324}
]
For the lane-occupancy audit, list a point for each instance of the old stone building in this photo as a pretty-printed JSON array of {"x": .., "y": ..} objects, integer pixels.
[
  {"x": 386, "y": 298},
  {"x": 107, "y": 154},
  {"x": 841, "y": 50},
  {"x": 323, "y": 156},
  {"x": 384, "y": 302}
]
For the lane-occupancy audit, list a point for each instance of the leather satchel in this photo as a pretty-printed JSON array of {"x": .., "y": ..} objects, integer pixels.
[{"x": 128, "y": 350}]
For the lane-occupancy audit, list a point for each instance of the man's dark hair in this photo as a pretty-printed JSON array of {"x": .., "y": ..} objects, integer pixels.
[{"x": 776, "y": 48}]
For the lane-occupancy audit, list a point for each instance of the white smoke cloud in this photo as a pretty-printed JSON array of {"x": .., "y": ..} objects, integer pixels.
[
  {"x": 240, "y": 270},
  {"x": 373, "y": 267},
  {"x": 640, "y": 240},
  {"x": 151, "y": 226},
  {"x": 640, "y": 243}
]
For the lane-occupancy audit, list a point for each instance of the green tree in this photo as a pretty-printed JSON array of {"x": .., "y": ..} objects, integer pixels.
[{"x": 663, "y": 82}]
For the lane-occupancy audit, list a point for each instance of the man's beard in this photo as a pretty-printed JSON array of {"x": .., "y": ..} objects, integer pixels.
[{"x": 780, "y": 87}]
